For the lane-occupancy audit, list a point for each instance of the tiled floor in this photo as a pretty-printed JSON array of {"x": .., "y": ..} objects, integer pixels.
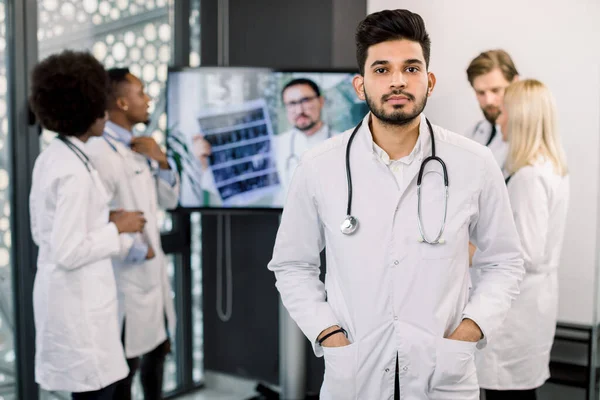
[
  {"x": 547, "y": 392},
  {"x": 224, "y": 387},
  {"x": 210, "y": 394}
]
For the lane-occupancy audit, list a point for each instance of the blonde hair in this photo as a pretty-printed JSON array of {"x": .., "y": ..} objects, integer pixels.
[
  {"x": 489, "y": 60},
  {"x": 532, "y": 127}
]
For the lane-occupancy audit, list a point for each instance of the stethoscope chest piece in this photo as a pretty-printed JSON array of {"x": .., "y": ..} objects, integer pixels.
[{"x": 349, "y": 225}]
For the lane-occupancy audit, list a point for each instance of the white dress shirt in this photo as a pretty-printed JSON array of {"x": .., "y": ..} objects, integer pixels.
[{"x": 398, "y": 167}]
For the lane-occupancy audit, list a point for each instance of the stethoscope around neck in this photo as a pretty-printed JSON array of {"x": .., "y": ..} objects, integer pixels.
[
  {"x": 78, "y": 152},
  {"x": 350, "y": 223},
  {"x": 88, "y": 165}
]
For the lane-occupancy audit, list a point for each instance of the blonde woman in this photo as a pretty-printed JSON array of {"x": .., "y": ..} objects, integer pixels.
[{"x": 516, "y": 360}]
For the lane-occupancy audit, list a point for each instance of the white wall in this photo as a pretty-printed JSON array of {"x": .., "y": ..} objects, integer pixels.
[{"x": 557, "y": 42}]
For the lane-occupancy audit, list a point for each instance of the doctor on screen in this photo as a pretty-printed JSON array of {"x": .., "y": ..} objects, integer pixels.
[
  {"x": 489, "y": 74},
  {"x": 303, "y": 103}
]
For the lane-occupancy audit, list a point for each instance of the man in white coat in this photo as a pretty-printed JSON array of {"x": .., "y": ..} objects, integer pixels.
[
  {"x": 395, "y": 317},
  {"x": 489, "y": 74},
  {"x": 138, "y": 176}
]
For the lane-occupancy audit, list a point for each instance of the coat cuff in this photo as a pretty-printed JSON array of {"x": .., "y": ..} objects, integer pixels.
[
  {"x": 323, "y": 320},
  {"x": 478, "y": 320},
  {"x": 168, "y": 175}
]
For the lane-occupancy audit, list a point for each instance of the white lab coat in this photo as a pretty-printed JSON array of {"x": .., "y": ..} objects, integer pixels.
[
  {"x": 78, "y": 343},
  {"x": 518, "y": 355},
  {"x": 481, "y": 134},
  {"x": 144, "y": 289},
  {"x": 289, "y": 148},
  {"x": 391, "y": 293}
]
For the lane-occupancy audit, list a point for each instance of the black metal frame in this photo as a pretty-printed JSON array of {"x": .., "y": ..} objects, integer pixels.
[
  {"x": 21, "y": 21},
  {"x": 179, "y": 240},
  {"x": 575, "y": 375}
]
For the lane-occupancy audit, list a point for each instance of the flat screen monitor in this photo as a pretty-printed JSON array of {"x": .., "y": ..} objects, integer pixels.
[{"x": 237, "y": 134}]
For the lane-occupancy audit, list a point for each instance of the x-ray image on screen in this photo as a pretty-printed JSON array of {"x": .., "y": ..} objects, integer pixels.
[{"x": 242, "y": 161}]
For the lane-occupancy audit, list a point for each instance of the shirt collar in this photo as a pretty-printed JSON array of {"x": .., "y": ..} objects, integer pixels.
[
  {"x": 319, "y": 135},
  {"x": 420, "y": 147},
  {"x": 485, "y": 127},
  {"x": 405, "y": 160},
  {"x": 75, "y": 140},
  {"x": 117, "y": 132}
]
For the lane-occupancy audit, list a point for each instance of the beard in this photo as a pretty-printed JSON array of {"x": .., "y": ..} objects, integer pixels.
[
  {"x": 399, "y": 116},
  {"x": 308, "y": 126},
  {"x": 491, "y": 113}
]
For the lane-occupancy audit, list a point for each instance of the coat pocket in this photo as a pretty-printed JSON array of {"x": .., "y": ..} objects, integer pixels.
[
  {"x": 454, "y": 375},
  {"x": 340, "y": 371}
]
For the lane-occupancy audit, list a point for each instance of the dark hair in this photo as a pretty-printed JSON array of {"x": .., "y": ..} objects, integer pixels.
[
  {"x": 490, "y": 60},
  {"x": 69, "y": 92},
  {"x": 390, "y": 25},
  {"x": 302, "y": 81},
  {"x": 116, "y": 77}
]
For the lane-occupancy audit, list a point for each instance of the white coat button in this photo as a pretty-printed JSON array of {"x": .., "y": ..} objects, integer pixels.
[
  {"x": 395, "y": 318},
  {"x": 396, "y": 262},
  {"x": 405, "y": 368},
  {"x": 387, "y": 370}
]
